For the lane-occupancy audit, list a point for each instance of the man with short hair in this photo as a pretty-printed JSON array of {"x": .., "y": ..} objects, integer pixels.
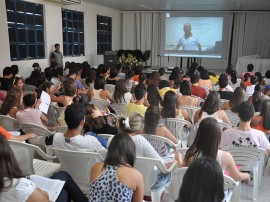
[
  {"x": 188, "y": 41},
  {"x": 244, "y": 135},
  {"x": 72, "y": 139},
  {"x": 195, "y": 88},
  {"x": 57, "y": 56},
  {"x": 5, "y": 80},
  {"x": 138, "y": 106},
  {"x": 223, "y": 88}
]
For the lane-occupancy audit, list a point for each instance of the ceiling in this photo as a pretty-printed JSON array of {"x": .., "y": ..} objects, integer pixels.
[{"x": 165, "y": 5}]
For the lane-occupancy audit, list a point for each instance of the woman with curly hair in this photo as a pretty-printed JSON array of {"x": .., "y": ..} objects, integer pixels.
[
  {"x": 11, "y": 103},
  {"x": 210, "y": 108}
]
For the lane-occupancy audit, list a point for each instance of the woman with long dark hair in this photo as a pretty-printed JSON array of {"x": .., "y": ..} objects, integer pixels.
[
  {"x": 14, "y": 186},
  {"x": 262, "y": 122},
  {"x": 185, "y": 99},
  {"x": 206, "y": 144},
  {"x": 153, "y": 96},
  {"x": 237, "y": 98},
  {"x": 210, "y": 108},
  {"x": 170, "y": 109},
  {"x": 121, "y": 94},
  {"x": 197, "y": 178},
  {"x": 115, "y": 179}
]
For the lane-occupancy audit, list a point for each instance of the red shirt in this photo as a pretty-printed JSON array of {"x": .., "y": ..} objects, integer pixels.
[
  {"x": 198, "y": 91},
  {"x": 4, "y": 132}
]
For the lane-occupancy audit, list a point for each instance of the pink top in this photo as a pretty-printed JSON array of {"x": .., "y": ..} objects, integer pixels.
[{"x": 29, "y": 115}]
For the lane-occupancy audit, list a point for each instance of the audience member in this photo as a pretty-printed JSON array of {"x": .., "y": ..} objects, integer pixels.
[
  {"x": 115, "y": 179},
  {"x": 210, "y": 108},
  {"x": 120, "y": 74},
  {"x": 153, "y": 96},
  {"x": 19, "y": 138},
  {"x": 246, "y": 81},
  {"x": 112, "y": 78},
  {"x": 15, "y": 186},
  {"x": 237, "y": 98},
  {"x": 186, "y": 99},
  {"x": 195, "y": 88},
  {"x": 72, "y": 139},
  {"x": 197, "y": 178},
  {"x": 250, "y": 68},
  {"x": 12, "y": 103},
  {"x": 204, "y": 80},
  {"x": 121, "y": 94},
  {"x": 141, "y": 100},
  {"x": 6, "y": 79},
  {"x": 224, "y": 92},
  {"x": 261, "y": 122},
  {"x": 16, "y": 82},
  {"x": 161, "y": 72},
  {"x": 164, "y": 87},
  {"x": 244, "y": 135}
]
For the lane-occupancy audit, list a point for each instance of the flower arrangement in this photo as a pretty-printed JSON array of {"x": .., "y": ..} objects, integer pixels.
[{"x": 130, "y": 61}]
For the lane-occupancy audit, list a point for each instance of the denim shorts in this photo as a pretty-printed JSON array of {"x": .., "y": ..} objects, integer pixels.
[{"x": 162, "y": 180}]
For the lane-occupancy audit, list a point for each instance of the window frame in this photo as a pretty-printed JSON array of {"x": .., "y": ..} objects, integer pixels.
[{"x": 104, "y": 34}]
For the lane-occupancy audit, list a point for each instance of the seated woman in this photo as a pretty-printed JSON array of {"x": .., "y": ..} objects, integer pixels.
[
  {"x": 17, "y": 83},
  {"x": 121, "y": 94},
  {"x": 170, "y": 109},
  {"x": 153, "y": 96},
  {"x": 164, "y": 87},
  {"x": 237, "y": 98},
  {"x": 204, "y": 169},
  {"x": 261, "y": 122},
  {"x": 112, "y": 79},
  {"x": 186, "y": 99},
  {"x": 99, "y": 123},
  {"x": 210, "y": 108},
  {"x": 204, "y": 80},
  {"x": 153, "y": 127},
  {"x": 133, "y": 126},
  {"x": 12, "y": 103},
  {"x": 206, "y": 144},
  {"x": 115, "y": 179},
  {"x": 14, "y": 186},
  {"x": 99, "y": 91}
]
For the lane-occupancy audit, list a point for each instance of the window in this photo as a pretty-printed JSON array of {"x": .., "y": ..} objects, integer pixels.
[
  {"x": 73, "y": 32},
  {"x": 25, "y": 29},
  {"x": 104, "y": 34}
]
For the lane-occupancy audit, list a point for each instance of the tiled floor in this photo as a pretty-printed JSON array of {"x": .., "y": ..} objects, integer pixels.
[{"x": 264, "y": 191}]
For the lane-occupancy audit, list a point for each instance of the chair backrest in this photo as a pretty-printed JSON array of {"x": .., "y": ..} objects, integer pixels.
[
  {"x": 78, "y": 164},
  {"x": 29, "y": 87},
  {"x": 233, "y": 118},
  {"x": 10, "y": 124},
  {"x": 119, "y": 108},
  {"x": 62, "y": 129},
  {"x": 221, "y": 102},
  {"x": 158, "y": 142},
  {"x": 147, "y": 166},
  {"x": 24, "y": 154},
  {"x": 110, "y": 88},
  {"x": 99, "y": 103},
  {"x": 246, "y": 157},
  {"x": 200, "y": 100},
  {"x": 191, "y": 110},
  {"x": 34, "y": 128}
]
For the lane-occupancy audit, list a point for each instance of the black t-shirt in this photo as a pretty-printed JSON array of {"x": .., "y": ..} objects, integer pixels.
[
  {"x": 227, "y": 95},
  {"x": 5, "y": 82}
]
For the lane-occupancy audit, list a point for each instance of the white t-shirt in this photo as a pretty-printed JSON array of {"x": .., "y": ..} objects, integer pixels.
[
  {"x": 85, "y": 143},
  {"x": 20, "y": 191},
  {"x": 143, "y": 147},
  {"x": 29, "y": 115},
  {"x": 126, "y": 99},
  {"x": 251, "y": 138},
  {"x": 190, "y": 43}
]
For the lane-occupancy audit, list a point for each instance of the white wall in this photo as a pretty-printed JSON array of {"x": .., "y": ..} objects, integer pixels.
[{"x": 53, "y": 34}]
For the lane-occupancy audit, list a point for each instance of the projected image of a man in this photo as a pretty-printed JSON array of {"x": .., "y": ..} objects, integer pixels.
[{"x": 188, "y": 41}]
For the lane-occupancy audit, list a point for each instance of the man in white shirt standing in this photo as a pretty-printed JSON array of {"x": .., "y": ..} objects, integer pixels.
[
  {"x": 188, "y": 41},
  {"x": 72, "y": 139},
  {"x": 244, "y": 135}
]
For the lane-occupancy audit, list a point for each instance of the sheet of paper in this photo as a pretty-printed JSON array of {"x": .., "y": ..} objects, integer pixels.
[
  {"x": 51, "y": 186},
  {"x": 46, "y": 100}
]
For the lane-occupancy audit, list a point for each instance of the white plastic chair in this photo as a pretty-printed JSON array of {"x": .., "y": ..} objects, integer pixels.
[
  {"x": 191, "y": 110},
  {"x": 119, "y": 108},
  {"x": 221, "y": 102},
  {"x": 267, "y": 168},
  {"x": 146, "y": 166},
  {"x": 233, "y": 118},
  {"x": 176, "y": 127},
  {"x": 200, "y": 100},
  {"x": 62, "y": 129},
  {"x": 24, "y": 154},
  {"x": 99, "y": 103},
  {"x": 110, "y": 88},
  {"x": 249, "y": 159},
  {"x": 10, "y": 124},
  {"x": 78, "y": 164},
  {"x": 157, "y": 142},
  {"x": 39, "y": 131}
]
